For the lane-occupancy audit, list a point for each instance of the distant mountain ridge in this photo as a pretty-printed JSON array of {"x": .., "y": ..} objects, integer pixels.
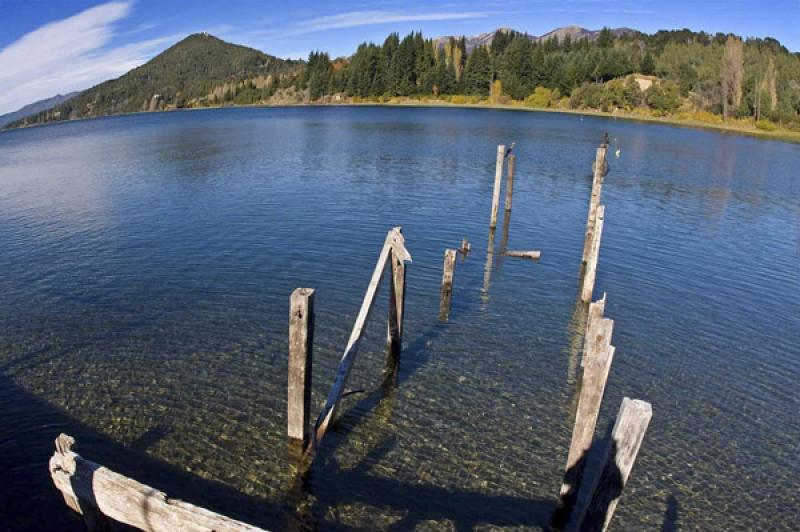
[
  {"x": 573, "y": 32},
  {"x": 35, "y": 107}
]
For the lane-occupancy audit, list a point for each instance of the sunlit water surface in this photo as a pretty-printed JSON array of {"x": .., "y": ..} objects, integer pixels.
[{"x": 146, "y": 264}]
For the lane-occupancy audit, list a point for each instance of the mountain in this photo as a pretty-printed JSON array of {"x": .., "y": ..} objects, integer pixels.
[
  {"x": 196, "y": 70},
  {"x": 574, "y": 32},
  {"x": 35, "y": 107}
]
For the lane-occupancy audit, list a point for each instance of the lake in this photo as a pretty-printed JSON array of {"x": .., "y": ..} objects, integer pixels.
[{"x": 147, "y": 263}]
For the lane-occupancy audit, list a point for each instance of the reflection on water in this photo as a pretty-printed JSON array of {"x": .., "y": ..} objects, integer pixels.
[{"x": 147, "y": 266}]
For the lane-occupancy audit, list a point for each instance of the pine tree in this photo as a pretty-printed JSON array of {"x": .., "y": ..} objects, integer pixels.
[{"x": 477, "y": 73}]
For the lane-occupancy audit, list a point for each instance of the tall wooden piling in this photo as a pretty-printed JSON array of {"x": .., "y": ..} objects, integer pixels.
[
  {"x": 619, "y": 455},
  {"x": 510, "y": 181},
  {"x": 590, "y": 271},
  {"x": 498, "y": 177},
  {"x": 594, "y": 202},
  {"x": 301, "y": 341},
  {"x": 447, "y": 283},
  {"x": 397, "y": 303},
  {"x": 597, "y": 362}
]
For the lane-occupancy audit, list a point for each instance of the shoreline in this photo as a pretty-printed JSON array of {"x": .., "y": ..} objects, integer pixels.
[{"x": 782, "y": 135}]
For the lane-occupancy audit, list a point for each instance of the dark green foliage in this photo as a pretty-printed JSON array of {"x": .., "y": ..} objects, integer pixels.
[
  {"x": 477, "y": 73},
  {"x": 664, "y": 97},
  {"x": 318, "y": 73}
]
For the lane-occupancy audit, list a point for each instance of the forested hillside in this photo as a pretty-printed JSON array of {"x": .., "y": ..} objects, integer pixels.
[
  {"x": 668, "y": 72},
  {"x": 198, "y": 71}
]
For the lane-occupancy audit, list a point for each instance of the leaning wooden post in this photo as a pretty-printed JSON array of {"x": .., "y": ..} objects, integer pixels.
[
  {"x": 597, "y": 188},
  {"x": 498, "y": 176},
  {"x": 510, "y": 181},
  {"x": 301, "y": 341},
  {"x": 447, "y": 283},
  {"x": 591, "y": 265},
  {"x": 597, "y": 362},
  {"x": 618, "y": 458},
  {"x": 397, "y": 303}
]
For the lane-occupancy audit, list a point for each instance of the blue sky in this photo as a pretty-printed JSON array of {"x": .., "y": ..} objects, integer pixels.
[{"x": 56, "y": 46}]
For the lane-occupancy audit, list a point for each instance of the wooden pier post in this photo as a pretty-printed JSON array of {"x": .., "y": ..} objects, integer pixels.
[
  {"x": 597, "y": 361},
  {"x": 301, "y": 341},
  {"x": 596, "y": 311},
  {"x": 397, "y": 305},
  {"x": 591, "y": 265},
  {"x": 619, "y": 455},
  {"x": 498, "y": 177},
  {"x": 597, "y": 188},
  {"x": 447, "y": 283},
  {"x": 510, "y": 181},
  {"x": 466, "y": 247}
]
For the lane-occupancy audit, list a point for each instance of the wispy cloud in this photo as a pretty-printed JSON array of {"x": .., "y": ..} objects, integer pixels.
[
  {"x": 371, "y": 18},
  {"x": 69, "y": 54}
]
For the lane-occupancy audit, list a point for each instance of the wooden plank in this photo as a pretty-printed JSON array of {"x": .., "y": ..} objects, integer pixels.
[
  {"x": 587, "y": 289},
  {"x": 531, "y": 254},
  {"x": 498, "y": 177},
  {"x": 447, "y": 283},
  {"x": 618, "y": 458},
  {"x": 394, "y": 244},
  {"x": 96, "y": 489},
  {"x": 301, "y": 341},
  {"x": 510, "y": 181},
  {"x": 597, "y": 363},
  {"x": 594, "y": 201}
]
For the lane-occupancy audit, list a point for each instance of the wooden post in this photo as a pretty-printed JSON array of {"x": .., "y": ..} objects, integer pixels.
[
  {"x": 596, "y": 311},
  {"x": 597, "y": 187},
  {"x": 104, "y": 495},
  {"x": 397, "y": 303},
  {"x": 619, "y": 455},
  {"x": 466, "y": 247},
  {"x": 447, "y": 283},
  {"x": 591, "y": 265},
  {"x": 394, "y": 245},
  {"x": 301, "y": 341},
  {"x": 487, "y": 268},
  {"x": 597, "y": 362},
  {"x": 498, "y": 176},
  {"x": 510, "y": 181}
]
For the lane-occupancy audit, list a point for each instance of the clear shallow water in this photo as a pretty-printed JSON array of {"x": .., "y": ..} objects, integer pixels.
[{"x": 147, "y": 263}]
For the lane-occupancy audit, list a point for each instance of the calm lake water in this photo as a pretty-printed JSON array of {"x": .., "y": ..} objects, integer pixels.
[{"x": 146, "y": 264}]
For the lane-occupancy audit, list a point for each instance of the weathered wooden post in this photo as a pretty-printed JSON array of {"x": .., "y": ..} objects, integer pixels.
[
  {"x": 619, "y": 455},
  {"x": 597, "y": 361},
  {"x": 394, "y": 245},
  {"x": 301, "y": 341},
  {"x": 510, "y": 181},
  {"x": 397, "y": 304},
  {"x": 498, "y": 177},
  {"x": 466, "y": 247},
  {"x": 596, "y": 311},
  {"x": 487, "y": 268},
  {"x": 597, "y": 187},
  {"x": 591, "y": 265},
  {"x": 447, "y": 283}
]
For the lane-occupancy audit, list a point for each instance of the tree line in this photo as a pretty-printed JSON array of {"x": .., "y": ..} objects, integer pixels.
[{"x": 718, "y": 74}]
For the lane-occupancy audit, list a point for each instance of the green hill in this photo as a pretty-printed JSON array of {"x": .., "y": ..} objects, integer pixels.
[{"x": 199, "y": 70}]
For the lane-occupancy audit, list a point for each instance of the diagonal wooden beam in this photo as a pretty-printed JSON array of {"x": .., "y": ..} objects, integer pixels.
[{"x": 393, "y": 245}]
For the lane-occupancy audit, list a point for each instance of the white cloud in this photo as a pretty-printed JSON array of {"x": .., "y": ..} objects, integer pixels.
[
  {"x": 67, "y": 55},
  {"x": 369, "y": 18}
]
